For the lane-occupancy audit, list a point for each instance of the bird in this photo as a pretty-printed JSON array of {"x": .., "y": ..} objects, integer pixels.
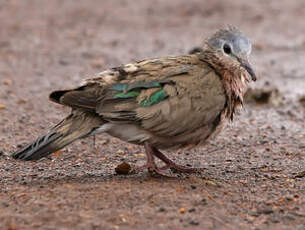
[{"x": 172, "y": 102}]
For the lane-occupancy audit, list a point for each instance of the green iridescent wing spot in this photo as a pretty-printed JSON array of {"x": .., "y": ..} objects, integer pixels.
[
  {"x": 155, "y": 98},
  {"x": 134, "y": 89},
  {"x": 127, "y": 95}
]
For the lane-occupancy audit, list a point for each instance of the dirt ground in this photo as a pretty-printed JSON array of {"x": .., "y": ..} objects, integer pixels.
[{"x": 252, "y": 176}]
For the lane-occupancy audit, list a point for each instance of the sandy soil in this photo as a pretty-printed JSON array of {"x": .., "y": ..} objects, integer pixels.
[{"x": 251, "y": 178}]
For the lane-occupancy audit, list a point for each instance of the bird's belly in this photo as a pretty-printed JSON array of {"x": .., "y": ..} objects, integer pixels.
[
  {"x": 137, "y": 135},
  {"x": 129, "y": 133}
]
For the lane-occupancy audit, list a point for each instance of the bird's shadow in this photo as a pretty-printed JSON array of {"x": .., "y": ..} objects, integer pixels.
[{"x": 96, "y": 178}]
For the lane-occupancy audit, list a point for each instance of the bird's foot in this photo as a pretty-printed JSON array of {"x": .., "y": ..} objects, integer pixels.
[
  {"x": 153, "y": 170},
  {"x": 152, "y": 167}
]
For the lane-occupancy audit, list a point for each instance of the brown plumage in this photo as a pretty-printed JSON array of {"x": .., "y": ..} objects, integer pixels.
[{"x": 168, "y": 102}]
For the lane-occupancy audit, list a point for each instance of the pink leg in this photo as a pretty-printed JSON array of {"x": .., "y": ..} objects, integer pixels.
[
  {"x": 151, "y": 166},
  {"x": 150, "y": 163},
  {"x": 170, "y": 164},
  {"x": 151, "y": 153}
]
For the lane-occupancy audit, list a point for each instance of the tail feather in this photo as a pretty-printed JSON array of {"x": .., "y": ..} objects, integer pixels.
[
  {"x": 42, "y": 147},
  {"x": 67, "y": 131}
]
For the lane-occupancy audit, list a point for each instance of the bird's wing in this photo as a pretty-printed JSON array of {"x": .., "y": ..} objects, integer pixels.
[
  {"x": 145, "y": 74},
  {"x": 148, "y": 72},
  {"x": 168, "y": 96}
]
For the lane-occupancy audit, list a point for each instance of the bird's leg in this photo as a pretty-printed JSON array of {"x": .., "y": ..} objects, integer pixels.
[
  {"x": 150, "y": 164},
  {"x": 169, "y": 163},
  {"x": 151, "y": 153}
]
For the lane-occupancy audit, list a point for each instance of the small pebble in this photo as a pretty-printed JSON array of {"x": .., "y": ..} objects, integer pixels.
[
  {"x": 123, "y": 168},
  {"x": 182, "y": 210},
  {"x": 300, "y": 174},
  {"x": 266, "y": 210},
  {"x": 120, "y": 152},
  {"x": 194, "y": 222},
  {"x": 63, "y": 62},
  {"x": 7, "y": 82},
  {"x": 203, "y": 201},
  {"x": 193, "y": 186}
]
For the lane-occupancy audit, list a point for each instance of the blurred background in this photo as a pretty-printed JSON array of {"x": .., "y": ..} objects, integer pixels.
[
  {"x": 42, "y": 40},
  {"x": 49, "y": 45}
]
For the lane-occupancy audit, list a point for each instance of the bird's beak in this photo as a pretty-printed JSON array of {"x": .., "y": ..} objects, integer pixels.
[{"x": 245, "y": 63}]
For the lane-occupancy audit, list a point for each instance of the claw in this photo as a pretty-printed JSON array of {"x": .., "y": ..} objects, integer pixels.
[{"x": 152, "y": 169}]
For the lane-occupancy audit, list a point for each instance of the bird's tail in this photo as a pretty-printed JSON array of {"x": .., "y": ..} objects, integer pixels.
[{"x": 76, "y": 125}]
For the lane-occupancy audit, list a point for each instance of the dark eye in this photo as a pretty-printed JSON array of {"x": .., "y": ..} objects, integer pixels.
[{"x": 227, "y": 49}]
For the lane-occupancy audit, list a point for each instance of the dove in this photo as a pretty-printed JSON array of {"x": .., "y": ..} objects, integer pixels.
[{"x": 170, "y": 102}]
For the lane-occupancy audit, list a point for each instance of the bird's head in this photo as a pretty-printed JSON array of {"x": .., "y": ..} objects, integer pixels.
[{"x": 231, "y": 46}]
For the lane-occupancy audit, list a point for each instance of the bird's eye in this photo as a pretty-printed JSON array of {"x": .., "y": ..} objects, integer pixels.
[{"x": 227, "y": 49}]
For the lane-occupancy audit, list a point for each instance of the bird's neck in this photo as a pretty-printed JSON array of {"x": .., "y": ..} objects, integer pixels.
[
  {"x": 235, "y": 86},
  {"x": 235, "y": 82}
]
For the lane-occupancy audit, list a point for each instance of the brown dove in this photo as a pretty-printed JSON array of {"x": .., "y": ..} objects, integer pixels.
[{"x": 163, "y": 103}]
